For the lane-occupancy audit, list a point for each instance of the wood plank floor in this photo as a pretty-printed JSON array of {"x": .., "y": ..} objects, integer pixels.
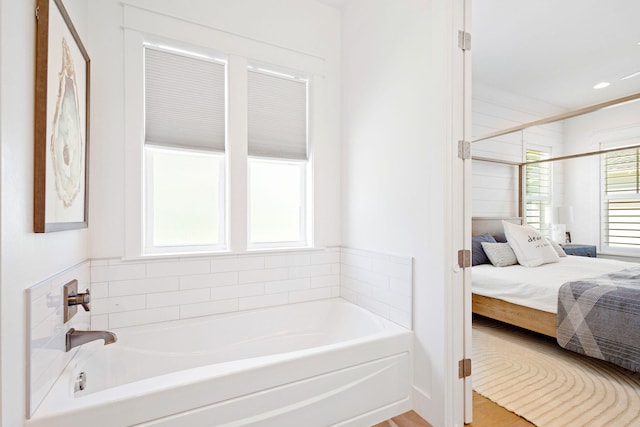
[{"x": 485, "y": 414}]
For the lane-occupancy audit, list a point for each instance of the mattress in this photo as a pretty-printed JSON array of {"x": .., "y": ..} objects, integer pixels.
[{"x": 537, "y": 287}]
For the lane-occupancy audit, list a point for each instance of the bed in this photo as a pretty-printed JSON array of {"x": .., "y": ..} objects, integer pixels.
[{"x": 529, "y": 298}]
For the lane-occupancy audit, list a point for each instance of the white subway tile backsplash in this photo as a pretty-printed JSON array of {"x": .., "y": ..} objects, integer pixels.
[
  {"x": 208, "y": 308},
  {"x": 99, "y": 290},
  {"x": 46, "y": 330},
  {"x": 287, "y": 285},
  {"x": 108, "y": 273},
  {"x": 328, "y": 257},
  {"x": 309, "y": 295},
  {"x": 118, "y": 304},
  {"x": 325, "y": 281},
  {"x": 252, "y": 276},
  {"x": 224, "y": 283},
  {"x": 99, "y": 322},
  {"x": 166, "y": 299},
  {"x": 237, "y": 263},
  {"x": 287, "y": 260},
  {"x": 376, "y": 279},
  {"x": 209, "y": 280},
  {"x": 178, "y": 268},
  {"x": 378, "y": 282},
  {"x": 143, "y": 286},
  {"x": 237, "y": 291},
  {"x": 249, "y": 303},
  {"x": 143, "y": 317},
  {"x": 310, "y": 270}
]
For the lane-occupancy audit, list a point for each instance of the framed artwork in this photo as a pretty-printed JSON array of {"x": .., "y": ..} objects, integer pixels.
[{"x": 61, "y": 122}]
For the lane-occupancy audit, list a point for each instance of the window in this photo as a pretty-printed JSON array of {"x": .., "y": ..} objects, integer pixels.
[
  {"x": 277, "y": 147},
  {"x": 184, "y": 152},
  {"x": 621, "y": 204},
  {"x": 538, "y": 189}
]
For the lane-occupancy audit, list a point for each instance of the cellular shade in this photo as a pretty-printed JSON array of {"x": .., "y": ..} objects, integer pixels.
[
  {"x": 184, "y": 101},
  {"x": 277, "y": 109}
]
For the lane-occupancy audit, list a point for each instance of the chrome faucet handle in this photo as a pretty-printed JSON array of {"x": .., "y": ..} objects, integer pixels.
[{"x": 81, "y": 298}]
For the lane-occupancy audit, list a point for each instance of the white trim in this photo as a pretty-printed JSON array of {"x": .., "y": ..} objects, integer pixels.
[{"x": 153, "y": 22}]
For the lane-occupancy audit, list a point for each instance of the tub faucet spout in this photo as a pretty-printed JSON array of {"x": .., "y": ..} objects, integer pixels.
[{"x": 76, "y": 338}]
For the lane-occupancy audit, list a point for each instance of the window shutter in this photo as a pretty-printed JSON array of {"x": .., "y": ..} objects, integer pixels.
[
  {"x": 538, "y": 189},
  {"x": 277, "y": 109},
  {"x": 622, "y": 188},
  {"x": 184, "y": 101},
  {"x": 622, "y": 172}
]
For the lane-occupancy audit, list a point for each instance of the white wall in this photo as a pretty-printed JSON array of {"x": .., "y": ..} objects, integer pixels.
[
  {"x": 303, "y": 26},
  {"x": 495, "y": 186},
  {"x": 395, "y": 127},
  {"x": 26, "y": 258}
]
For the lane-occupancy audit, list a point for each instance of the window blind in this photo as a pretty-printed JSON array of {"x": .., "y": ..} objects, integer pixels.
[
  {"x": 277, "y": 109},
  {"x": 184, "y": 101},
  {"x": 622, "y": 193},
  {"x": 538, "y": 189}
]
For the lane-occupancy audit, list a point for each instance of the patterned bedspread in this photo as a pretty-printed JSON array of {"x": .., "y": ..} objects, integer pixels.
[{"x": 600, "y": 317}]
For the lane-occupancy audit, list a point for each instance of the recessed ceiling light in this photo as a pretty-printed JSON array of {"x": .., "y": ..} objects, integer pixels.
[
  {"x": 637, "y": 73},
  {"x": 601, "y": 85}
]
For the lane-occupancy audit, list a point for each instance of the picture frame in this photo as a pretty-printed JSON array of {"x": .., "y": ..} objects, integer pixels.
[
  {"x": 567, "y": 237},
  {"x": 61, "y": 122}
]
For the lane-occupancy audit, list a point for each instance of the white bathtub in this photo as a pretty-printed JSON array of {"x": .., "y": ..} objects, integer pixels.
[{"x": 320, "y": 363}]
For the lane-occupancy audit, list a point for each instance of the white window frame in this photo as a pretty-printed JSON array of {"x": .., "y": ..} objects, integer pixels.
[
  {"x": 604, "y": 201},
  {"x": 543, "y": 226},
  {"x": 149, "y": 247},
  {"x": 239, "y": 52},
  {"x": 303, "y": 166}
]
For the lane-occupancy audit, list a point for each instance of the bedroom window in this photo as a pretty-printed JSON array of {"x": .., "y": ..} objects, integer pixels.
[
  {"x": 538, "y": 189},
  {"x": 621, "y": 225},
  {"x": 184, "y": 152},
  {"x": 278, "y": 159}
]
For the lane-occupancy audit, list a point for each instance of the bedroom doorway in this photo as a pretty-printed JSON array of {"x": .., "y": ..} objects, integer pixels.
[{"x": 525, "y": 72}]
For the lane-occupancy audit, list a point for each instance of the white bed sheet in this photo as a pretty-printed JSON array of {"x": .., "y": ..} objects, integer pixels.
[{"x": 537, "y": 287}]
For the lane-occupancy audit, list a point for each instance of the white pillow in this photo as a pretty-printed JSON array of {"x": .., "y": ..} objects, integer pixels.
[
  {"x": 500, "y": 254},
  {"x": 531, "y": 248},
  {"x": 557, "y": 248}
]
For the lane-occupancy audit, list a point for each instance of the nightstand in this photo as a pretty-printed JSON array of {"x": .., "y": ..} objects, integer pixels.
[{"x": 580, "y": 250}]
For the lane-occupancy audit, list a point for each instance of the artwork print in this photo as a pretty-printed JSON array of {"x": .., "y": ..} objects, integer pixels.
[{"x": 61, "y": 122}]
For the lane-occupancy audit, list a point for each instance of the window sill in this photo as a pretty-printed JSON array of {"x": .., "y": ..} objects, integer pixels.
[{"x": 215, "y": 254}]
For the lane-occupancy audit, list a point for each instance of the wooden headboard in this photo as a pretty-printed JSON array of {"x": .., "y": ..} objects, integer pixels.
[{"x": 493, "y": 225}]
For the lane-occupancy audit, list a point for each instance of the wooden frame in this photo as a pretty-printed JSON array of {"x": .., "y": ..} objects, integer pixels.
[
  {"x": 61, "y": 134},
  {"x": 529, "y": 318},
  {"x": 525, "y": 317}
]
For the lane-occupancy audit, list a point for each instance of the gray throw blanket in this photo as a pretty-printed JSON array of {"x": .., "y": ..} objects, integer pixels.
[{"x": 600, "y": 317}]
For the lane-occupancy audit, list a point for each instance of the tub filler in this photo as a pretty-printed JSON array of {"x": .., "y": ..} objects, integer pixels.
[{"x": 318, "y": 363}]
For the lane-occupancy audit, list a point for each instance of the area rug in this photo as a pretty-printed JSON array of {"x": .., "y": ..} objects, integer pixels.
[{"x": 532, "y": 376}]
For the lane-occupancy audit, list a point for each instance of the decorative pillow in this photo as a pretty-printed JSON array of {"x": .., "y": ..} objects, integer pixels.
[
  {"x": 477, "y": 253},
  {"x": 557, "y": 248},
  {"x": 531, "y": 248},
  {"x": 500, "y": 238},
  {"x": 500, "y": 254}
]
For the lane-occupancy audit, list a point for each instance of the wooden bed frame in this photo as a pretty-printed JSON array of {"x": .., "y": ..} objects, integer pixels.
[{"x": 528, "y": 318}]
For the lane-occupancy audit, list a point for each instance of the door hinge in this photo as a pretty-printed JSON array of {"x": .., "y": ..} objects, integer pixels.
[
  {"x": 37, "y": 12},
  {"x": 464, "y": 368},
  {"x": 464, "y": 40},
  {"x": 464, "y": 258},
  {"x": 464, "y": 150}
]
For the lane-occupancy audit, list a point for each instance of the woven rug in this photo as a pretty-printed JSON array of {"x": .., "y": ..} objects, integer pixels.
[{"x": 534, "y": 377}]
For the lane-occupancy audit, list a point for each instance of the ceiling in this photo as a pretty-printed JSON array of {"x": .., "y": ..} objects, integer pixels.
[{"x": 557, "y": 50}]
